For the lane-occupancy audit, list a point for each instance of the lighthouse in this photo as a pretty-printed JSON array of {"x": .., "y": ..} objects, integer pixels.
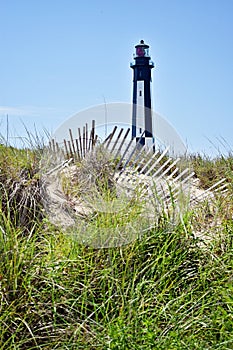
[{"x": 141, "y": 116}]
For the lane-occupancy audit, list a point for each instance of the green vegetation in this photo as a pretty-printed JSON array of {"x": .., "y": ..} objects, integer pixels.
[
  {"x": 210, "y": 170},
  {"x": 166, "y": 290}
]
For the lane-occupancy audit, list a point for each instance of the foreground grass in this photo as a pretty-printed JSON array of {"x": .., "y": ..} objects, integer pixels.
[{"x": 164, "y": 291}]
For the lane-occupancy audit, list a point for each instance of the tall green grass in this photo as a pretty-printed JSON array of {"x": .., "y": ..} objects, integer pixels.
[{"x": 162, "y": 291}]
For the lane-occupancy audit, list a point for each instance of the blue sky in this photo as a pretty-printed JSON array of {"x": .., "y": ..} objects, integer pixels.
[{"x": 60, "y": 57}]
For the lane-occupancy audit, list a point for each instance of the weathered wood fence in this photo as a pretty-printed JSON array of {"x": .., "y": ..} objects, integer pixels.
[
  {"x": 77, "y": 147},
  {"x": 137, "y": 159}
]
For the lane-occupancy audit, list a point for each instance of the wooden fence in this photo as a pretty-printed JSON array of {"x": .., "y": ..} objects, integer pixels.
[{"x": 77, "y": 147}]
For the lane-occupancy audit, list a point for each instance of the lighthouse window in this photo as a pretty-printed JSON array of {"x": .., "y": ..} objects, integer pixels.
[
  {"x": 140, "y": 51},
  {"x": 140, "y": 93}
]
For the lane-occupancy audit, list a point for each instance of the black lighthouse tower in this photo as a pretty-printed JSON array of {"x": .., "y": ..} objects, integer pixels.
[{"x": 142, "y": 116}]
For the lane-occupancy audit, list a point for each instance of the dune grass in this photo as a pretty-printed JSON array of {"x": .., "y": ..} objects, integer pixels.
[{"x": 162, "y": 291}]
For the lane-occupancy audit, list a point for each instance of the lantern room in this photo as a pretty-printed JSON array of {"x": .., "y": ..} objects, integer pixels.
[{"x": 142, "y": 50}]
